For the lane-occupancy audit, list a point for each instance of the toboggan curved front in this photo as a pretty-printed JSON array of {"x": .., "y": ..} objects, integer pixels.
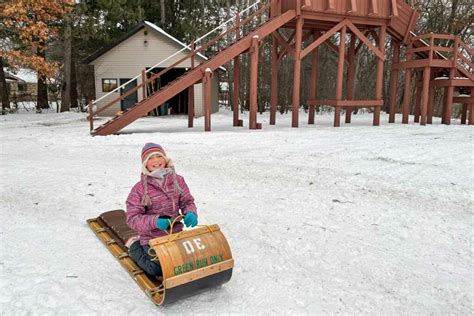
[{"x": 191, "y": 260}]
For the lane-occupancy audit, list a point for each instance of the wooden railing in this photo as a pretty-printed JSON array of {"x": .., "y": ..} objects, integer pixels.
[
  {"x": 446, "y": 46},
  {"x": 238, "y": 24}
]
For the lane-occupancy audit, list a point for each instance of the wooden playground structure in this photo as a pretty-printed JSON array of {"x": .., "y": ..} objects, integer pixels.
[{"x": 343, "y": 25}]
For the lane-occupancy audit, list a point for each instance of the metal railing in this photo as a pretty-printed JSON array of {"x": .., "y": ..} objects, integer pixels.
[{"x": 191, "y": 47}]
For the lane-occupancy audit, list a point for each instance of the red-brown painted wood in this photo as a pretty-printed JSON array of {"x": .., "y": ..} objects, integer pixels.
[
  {"x": 191, "y": 76},
  {"x": 351, "y": 72},
  {"x": 274, "y": 82},
  {"x": 425, "y": 95},
  {"x": 207, "y": 81},
  {"x": 449, "y": 99},
  {"x": 297, "y": 73},
  {"x": 236, "y": 92},
  {"x": 340, "y": 75},
  {"x": 313, "y": 90},
  {"x": 406, "y": 94},
  {"x": 254, "y": 54},
  {"x": 394, "y": 81},
  {"x": 379, "y": 77}
]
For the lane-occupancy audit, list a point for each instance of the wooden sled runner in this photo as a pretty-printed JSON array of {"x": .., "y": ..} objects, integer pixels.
[{"x": 191, "y": 260}]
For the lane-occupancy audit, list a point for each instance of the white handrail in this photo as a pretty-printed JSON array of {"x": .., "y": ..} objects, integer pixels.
[{"x": 176, "y": 53}]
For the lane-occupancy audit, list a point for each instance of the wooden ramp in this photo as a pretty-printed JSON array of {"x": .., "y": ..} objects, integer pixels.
[{"x": 191, "y": 77}]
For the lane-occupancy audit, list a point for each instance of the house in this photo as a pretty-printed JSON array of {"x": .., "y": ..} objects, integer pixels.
[
  {"x": 21, "y": 85},
  {"x": 141, "y": 48}
]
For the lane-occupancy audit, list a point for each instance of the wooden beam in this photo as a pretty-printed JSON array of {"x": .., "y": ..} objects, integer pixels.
[
  {"x": 347, "y": 103},
  {"x": 394, "y": 80},
  {"x": 297, "y": 72},
  {"x": 394, "y": 8},
  {"x": 373, "y": 7},
  {"x": 406, "y": 94},
  {"x": 274, "y": 82},
  {"x": 431, "y": 100},
  {"x": 284, "y": 43},
  {"x": 313, "y": 90},
  {"x": 330, "y": 5},
  {"x": 323, "y": 38},
  {"x": 351, "y": 72},
  {"x": 335, "y": 48},
  {"x": 366, "y": 41},
  {"x": 207, "y": 81},
  {"x": 406, "y": 38},
  {"x": 425, "y": 94},
  {"x": 379, "y": 80},
  {"x": 254, "y": 54},
  {"x": 236, "y": 92},
  {"x": 353, "y": 4},
  {"x": 449, "y": 100},
  {"x": 340, "y": 75},
  {"x": 191, "y": 90}
]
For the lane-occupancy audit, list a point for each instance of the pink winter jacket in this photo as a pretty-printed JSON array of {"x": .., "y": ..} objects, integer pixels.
[{"x": 165, "y": 201}]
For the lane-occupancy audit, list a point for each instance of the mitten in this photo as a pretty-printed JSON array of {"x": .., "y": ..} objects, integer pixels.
[
  {"x": 190, "y": 220},
  {"x": 162, "y": 223}
]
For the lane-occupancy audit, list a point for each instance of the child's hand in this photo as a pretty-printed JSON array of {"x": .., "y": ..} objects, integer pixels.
[
  {"x": 190, "y": 220},
  {"x": 162, "y": 223}
]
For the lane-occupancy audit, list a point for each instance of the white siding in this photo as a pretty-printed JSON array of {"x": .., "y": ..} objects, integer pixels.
[{"x": 127, "y": 59}]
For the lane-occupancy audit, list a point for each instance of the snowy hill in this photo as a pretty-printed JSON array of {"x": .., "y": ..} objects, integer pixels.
[{"x": 357, "y": 219}]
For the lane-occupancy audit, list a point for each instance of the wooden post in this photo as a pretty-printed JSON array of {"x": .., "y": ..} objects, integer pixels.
[
  {"x": 449, "y": 99},
  {"x": 91, "y": 117},
  {"x": 253, "y": 82},
  {"x": 144, "y": 84},
  {"x": 191, "y": 90},
  {"x": 379, "y": 80},
  {"x": 236, "y": 92},
  {"x": 340, "y": 75},
  {"x": 407, "y": 92},
  {"x": 207, "y": 81},
  {"x": 351, "y": 75},
  {"x": 424, "y": 98},
  {"x": 274, "y": 82},
  {"x": 297, "y": 71},
  {"x": 313, "y": 88},
  {"x": 394, "y": 81},
  {"x": 471, "y": 108}
]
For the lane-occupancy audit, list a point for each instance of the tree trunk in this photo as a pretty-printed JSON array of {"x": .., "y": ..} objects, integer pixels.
[
  {"x": 74, "y": 97},
  {"x": 66, "y": 86},
  {"x": 3, "y": 89},
  {"x": 42, "y": 88},
  {"x": 162, "y": 7}
]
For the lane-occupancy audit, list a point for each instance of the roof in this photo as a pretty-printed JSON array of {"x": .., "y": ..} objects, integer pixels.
[
  {"x": 23, "y": 75},
  {"x": 130, "y": 33}
]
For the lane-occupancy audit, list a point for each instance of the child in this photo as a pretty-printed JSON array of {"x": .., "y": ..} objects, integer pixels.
[{"x": 154, "y": 202}]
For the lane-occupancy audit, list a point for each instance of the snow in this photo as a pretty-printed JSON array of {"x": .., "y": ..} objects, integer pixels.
[
  {"x": 354, "y": 220},
  {"x": 24, "y": 75}
]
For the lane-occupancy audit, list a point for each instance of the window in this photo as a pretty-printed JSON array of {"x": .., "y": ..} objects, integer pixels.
[
  {"x": 109, "y": 85},
  {"x": 22, "y": 87}
]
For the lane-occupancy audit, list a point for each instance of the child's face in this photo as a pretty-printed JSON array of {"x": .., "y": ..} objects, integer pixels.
[{"x": 155, "y": 162}]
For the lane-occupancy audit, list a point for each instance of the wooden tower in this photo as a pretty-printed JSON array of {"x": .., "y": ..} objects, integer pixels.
[{"x": 353, "y": 23}]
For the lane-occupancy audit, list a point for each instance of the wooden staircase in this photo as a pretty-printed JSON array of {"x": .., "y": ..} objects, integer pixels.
[
  {"x": 443, "y": 61},
  {"x": 191, "y": 77}
]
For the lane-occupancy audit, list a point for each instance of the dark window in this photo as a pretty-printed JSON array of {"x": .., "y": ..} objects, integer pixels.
[
  {"x": 22, "y": 87},
  {"x": 109, "y": 85}
]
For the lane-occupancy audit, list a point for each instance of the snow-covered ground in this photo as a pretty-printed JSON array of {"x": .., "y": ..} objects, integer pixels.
[{"x": 357, "y": 219}]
